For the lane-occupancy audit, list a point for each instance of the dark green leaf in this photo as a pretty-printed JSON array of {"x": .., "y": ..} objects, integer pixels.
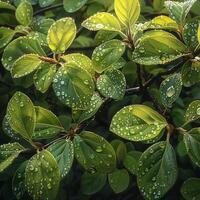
[
  {"x": 193, "y": 111},
  {"x": 73, "y": 5}
]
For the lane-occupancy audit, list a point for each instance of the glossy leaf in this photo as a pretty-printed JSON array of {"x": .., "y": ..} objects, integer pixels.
[
  {"x": 179, "y": 10},
  {"x": 43, "y": 77},
  {"x": 119, "y": 180},
  {"x": 18, "y": 181},
  {"x": 127, "y": 11},
  {"x": 6, "y": 35},
  {"x": 6, "y": 5},
  {"x": 112, "y": 84},
  {"x": 73, "y": 86},
  {"x": 42, "y": 176},
  {"x": 24, "y": 13},
  {"x": 45, "y": 3},
  {"x": 61, "y": 34},
  {"x": 73, "y": 5},
  {"x": 63, "y": 151},
  {"x": 157, "y": 170},
  {"x": 137, "y": 123},
  {"x": 94, "y": 153},
  {"x": 193, "y": 111},
  {"x": 20, "y": 107},
  {"x": 190, "y": 189},
  {"x": 191, "y": 73},
  {"x": 47, "y": 124},
  {"x": 102, "y": 21},
  {"x": 192, "y": 144},
  {"x": 9, "y": 152},
  {"x": 79, "y": 60},
  {"x": 18, "y": 48},
  {"x": 107, "y": 54},
  {"x": 92, "y": 183},
  {"x": 25, "y": 65},
  {"x": 104, "y": 36},
  {"x": 158, "y": 47},
  {"x": 170, "y": 89}
]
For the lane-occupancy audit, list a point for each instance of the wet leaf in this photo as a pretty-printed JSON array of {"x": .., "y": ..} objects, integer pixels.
[
  {"x": 6, "y": 35},
  {"x": 73, "y": 5},
  {"x": 45, "y": 3},
  {"x": 193, "y": 111}
]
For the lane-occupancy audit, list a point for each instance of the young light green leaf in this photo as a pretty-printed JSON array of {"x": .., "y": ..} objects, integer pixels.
[
  {"x": 102, "y": 21},
  {"x": 24, "y": 13},
  {"x": 25, "y": 65},
  {"x": 73, "y": 5},
  {"x": 130, "y": 161},
  {"x": 157, "y": 170},
  {"x": 112, "y": 84},
  {"x": 191, "y": 73},
  {"x": 18, "y": 181},
  {"x": 6, "y": 5},
  {"x": 21, "y": 115},
  {"x": 137, "y": 123},
  {"x": 63, "y": 151},
  {"x": 6, "y": 35},
  {"x": 43, "y": 77},
  {"x": 92, "y": 183},
  {"x": 47, "y": 124},
  {"x": 18, "y": 48},
  {"x": 94, "y": 153},
  {"x": 45, "y": 3},
  {"x": 73, "y": 86},
  {"x": 61, "y": 34},
  {"x": 127, "y": 11},
  {"x": 79, "y": 60},
  {"x": 170, "y": 89},
  {"x": 158, "y": 47},
  {"x": 9, "y": 152},
  {"x": 179, "y": 10},
  {"x": 192, "y": 144},
  {"x": 193, "y": 111},
  {"x": 119, "y": 180},
  {"x": 190, "y": 189},
  {"x": 42, "y": 176},
  {"x": 107, "y": 54}
]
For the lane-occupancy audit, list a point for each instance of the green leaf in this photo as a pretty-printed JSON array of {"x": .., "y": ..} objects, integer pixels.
[
  {"x": 190, "y": 189},
  {"x": 112, "y": 84},
  {"x": 94, "y": 153},
  {"x": 63, "y": 151},
  {"x": 190, "y": 33},
  {"x": 92, "y": 183},
  {"x": 42, "y": 176},
  {"x": 170, "y": 89},
  {"x": 73, "y": 86},
  {"x": 192, "y": 144},
  {"x": 79, "y": 60},
  {"x": 95, "y": 103},
  {"x": 6, "y": 5},
  {"x": 21, "y": 115},
  {"x": 119, "y": 180},
  {"x": 119, "y": 64},
  {"x": 104, "y": 36},
  {"x": 61, "y": 34},
  {"x": 107, "y": 54},
  {"x": 43, "y": 77},
  {"x": 73, "y": 5},
  {"x": 18, "y": 48},
  {"x": 193, "y": 111},
  {"x": 137, "y": 123},
  {"x": 24, "y": 13},
  {"x": 6, "y": 35},
  {"x": 45, "y": 3},
  {"x": 191, "y": 73},
  {"x": 157, "y": 170},
  {"x": 130, "y": 161},
  {"x": 158, "y": 47},
  {"x": 127, "y": 11},
  {"x": 158, "y": 5},
  {"x": 163, "y": 22},
  {"x": 25, "y": 65},
  {"x": 18, "y": 181},
  {"x": 102, "y": 21},
  {"x": 198, "y": 34},
  {"x": 47, "y": 124},
  {"x": 9, "y": 152},
  {"x": 179, "y": 10}
]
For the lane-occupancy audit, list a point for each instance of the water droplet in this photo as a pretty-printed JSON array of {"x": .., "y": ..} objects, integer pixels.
[{"x": 170, "y": 91}]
